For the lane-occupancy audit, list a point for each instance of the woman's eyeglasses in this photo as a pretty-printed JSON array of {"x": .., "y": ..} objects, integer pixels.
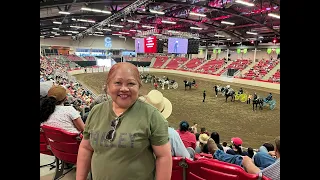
[{"x": 110, "y": 135}]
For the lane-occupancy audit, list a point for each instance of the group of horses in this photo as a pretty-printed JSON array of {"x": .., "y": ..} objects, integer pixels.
[
  {"x": 165, "y": 81},
  {"x": 229, "y": 92},
  {"x": 159, "y": 81}
]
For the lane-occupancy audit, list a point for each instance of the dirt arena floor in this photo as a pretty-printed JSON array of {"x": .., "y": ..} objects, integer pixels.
[{"x": 231, "y": 119}]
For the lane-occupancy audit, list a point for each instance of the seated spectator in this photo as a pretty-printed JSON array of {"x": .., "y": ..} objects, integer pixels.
[
  {"x": 54, "y": 113},
  {"x": 225, "y": 146},
  {"x": 215, "y": 136},
  {"x": 262, "y": 162},
  {"x": 236, "y": 147},
  {"x": 188, "y": 139},
  {"x": 156, "y": 99},
  {"x": 250, "y": 152},
  {"x": 203, "y": 138},
  {"x": 194, "y": 127},
  {"x": 203, "y": 130}
]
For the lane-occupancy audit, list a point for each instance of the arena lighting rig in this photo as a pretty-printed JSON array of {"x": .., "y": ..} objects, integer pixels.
[
  {"x": 123, "y": 12},
  {"x": 164, "y": 34}
]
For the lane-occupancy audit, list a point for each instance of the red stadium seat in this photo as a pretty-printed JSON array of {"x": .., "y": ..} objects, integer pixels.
[
  {"x": 64, "y": 146},
  {"x": 44, "y": 145},
  {"x": 177, "y": 169},
  {"x": 45, "y": 149},
  {"x": 214, "y": 169},
  {"x": 207, "y": 169}
]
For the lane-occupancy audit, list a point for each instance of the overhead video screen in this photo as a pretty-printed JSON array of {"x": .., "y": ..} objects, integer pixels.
[
  {"x": 193, "y": 46},
  {"x": 178, "y": 45},
  {"x": 139, "y": 45}
]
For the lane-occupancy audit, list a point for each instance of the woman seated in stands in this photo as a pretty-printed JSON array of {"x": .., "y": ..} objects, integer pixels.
[
  {"x": 54, "y": 113},
  {"x": 216, "y": 137},
  {"x": 236, "y": 147},
  {"x": 188, "y": 139}
]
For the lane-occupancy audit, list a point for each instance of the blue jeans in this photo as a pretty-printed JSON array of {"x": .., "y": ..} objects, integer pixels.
[
  {"x": 229, "y": 158},
  {"x": 261, "y": 159}
]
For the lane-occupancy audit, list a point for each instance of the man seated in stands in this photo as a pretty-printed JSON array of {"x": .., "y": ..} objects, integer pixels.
[
  {"x": 263, "y": 162},
  {"x": 178, "y": 148}
]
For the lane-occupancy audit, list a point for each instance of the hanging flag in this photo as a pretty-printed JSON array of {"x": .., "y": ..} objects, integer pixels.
[{"x": 269, "y": 50}]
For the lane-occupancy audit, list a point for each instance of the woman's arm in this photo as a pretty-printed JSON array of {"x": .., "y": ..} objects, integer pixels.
[
  {"x": 78, "y": 123},
  {"x": 84, "y": 160},
  {"x": 163, "y": 161}
]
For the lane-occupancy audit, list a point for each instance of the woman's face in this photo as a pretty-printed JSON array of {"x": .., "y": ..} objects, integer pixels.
[{"x": 123, "y": 87}]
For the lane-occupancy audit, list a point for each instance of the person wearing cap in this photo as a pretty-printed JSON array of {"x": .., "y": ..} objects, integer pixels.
[
  {"x": 54, "y": 113},
  {"x": 124, "y": 137},
  {"x": 236, "y": 147},
  {"x": 188, "y": 138},
  {"x": 156, "y": 99}
]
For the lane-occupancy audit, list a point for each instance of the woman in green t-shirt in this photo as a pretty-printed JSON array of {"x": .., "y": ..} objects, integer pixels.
[{"x": 124, "y": 138}]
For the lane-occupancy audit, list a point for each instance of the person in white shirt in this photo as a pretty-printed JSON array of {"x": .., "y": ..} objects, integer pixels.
[{"x": 53, "y": 113}]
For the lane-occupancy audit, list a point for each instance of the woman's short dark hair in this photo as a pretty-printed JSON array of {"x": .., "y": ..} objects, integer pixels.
[
  {"x": 184, "y": 126},
  {"x": 215, "y": 136},
  {"x": 268, "y": 146}
]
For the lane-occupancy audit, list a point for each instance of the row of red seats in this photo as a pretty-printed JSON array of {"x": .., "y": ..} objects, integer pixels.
[{"x": 64, "y": 146}]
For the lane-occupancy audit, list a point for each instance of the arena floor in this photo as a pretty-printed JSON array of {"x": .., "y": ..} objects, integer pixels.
[{"x": 229, "y": 119}]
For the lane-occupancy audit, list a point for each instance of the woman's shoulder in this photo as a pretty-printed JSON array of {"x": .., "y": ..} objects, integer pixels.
[{"x": 145, "y": 106}]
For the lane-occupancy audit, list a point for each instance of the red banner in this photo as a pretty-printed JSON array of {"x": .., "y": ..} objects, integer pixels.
[{"x": 150, "y": 44}]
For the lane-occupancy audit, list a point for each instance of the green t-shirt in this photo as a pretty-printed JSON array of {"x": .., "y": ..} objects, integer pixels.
[{"x": 130, "y": 154}]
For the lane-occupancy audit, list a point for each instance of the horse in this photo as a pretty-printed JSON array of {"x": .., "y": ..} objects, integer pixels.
[
  {"x": 258, "y": 101},
  {"x": 189, "y": 84},
  {"x": 167, "y": 82},
  {"x": 229, "y": 92}
]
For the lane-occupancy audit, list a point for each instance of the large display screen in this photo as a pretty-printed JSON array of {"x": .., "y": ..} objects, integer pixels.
[
  {"x": 150, "y": 44},
  {"x": 139, "y": 45},
  {"x": 193, "y": 46},
  {"x": 177, "y": 45},
  {"x": 160, "y": 44}
]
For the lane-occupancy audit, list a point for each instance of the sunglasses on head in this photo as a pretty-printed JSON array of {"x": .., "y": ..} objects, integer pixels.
[{"x": 114, "y": 123}]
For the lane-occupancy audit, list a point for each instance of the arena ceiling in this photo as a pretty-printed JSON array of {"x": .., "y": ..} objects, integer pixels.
[{"x": 215, "y": 21}]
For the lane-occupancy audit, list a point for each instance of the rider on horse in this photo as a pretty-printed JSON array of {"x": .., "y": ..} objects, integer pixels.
[{"x": 240, "y": 91}]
